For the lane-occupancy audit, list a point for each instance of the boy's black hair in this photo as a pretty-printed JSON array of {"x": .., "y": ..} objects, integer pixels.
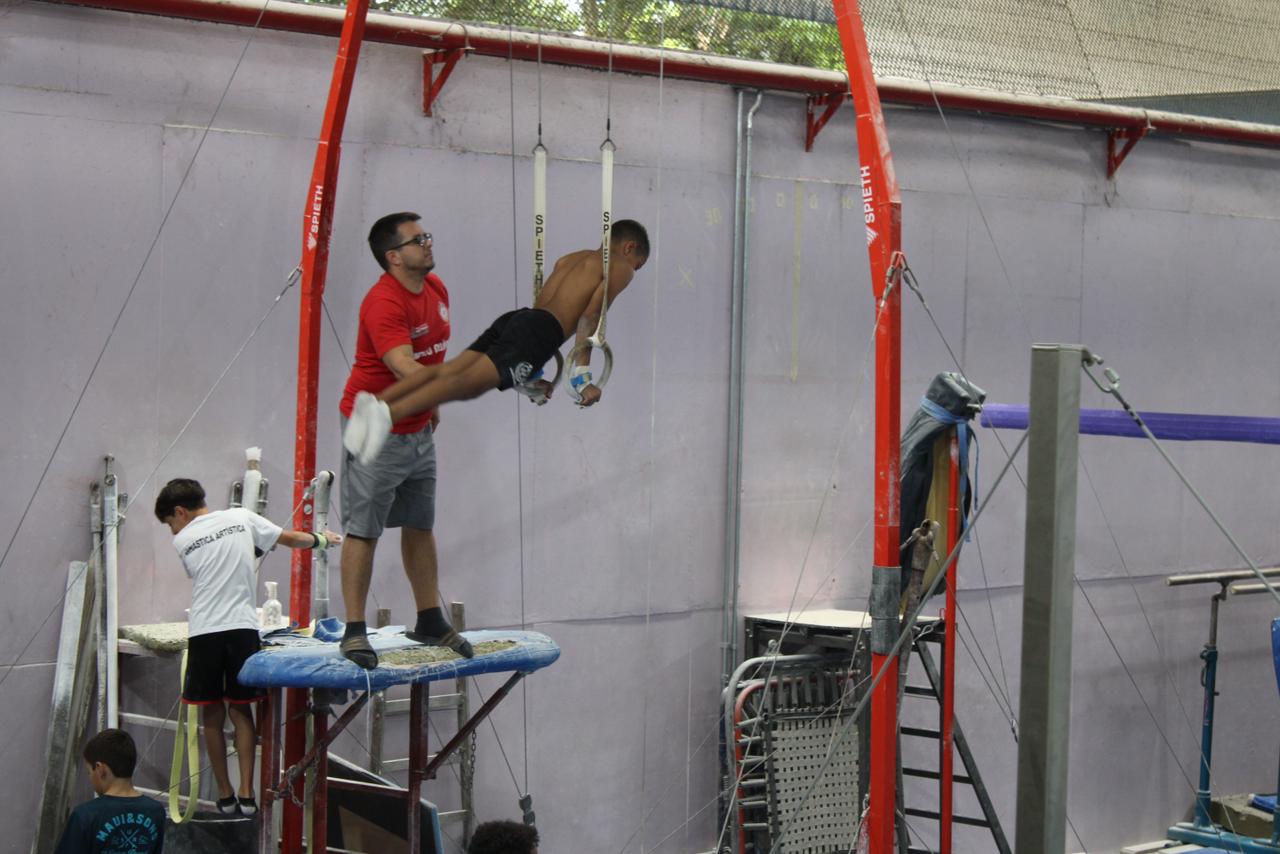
[
  {"x": 503, "y": 837},
  {"x": 628, "y": 229},
  {"x": 116, "y": 749},
  {"x": 385, "y": 234},
  {"x": 179, "y": 492}
]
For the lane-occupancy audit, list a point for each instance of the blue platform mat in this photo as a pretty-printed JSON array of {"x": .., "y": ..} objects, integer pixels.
[{"x": 312, "y": 662}]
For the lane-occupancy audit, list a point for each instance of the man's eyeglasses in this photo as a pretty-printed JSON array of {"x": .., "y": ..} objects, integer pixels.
[{"x": 420, "y": 239}]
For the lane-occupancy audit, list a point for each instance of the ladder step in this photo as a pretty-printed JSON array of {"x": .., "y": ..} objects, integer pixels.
[
  {"x": 920, "y": 691},
  {"x": 919, "y": 732},
  {"x": 936, "y": 775},
  {"x": 958, "y": 819}
]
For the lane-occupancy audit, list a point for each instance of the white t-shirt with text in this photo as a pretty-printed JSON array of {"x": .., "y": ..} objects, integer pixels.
[{"x": 217, "y": 552}]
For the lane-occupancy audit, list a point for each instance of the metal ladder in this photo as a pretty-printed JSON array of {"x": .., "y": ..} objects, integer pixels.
[{"x": 970, "y": 776}]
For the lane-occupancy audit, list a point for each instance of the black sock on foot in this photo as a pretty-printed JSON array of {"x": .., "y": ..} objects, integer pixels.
[
  {"x": 355, "y": 627},
  {"x": 431, "y": 622}
]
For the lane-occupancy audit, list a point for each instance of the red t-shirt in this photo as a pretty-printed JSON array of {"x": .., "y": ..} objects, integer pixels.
[{"x": 390, "y": 317}]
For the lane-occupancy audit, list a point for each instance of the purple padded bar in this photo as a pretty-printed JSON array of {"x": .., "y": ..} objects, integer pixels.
[{"x": 1178, "y": 426}]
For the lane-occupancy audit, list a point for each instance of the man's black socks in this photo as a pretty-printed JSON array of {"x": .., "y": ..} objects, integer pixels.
[{"x": 431, "y": 622}]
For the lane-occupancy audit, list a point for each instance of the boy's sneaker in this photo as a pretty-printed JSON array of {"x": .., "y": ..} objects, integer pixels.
[
  {"x": 227, "y": 806},
  {"x": 248, "y": 806}
]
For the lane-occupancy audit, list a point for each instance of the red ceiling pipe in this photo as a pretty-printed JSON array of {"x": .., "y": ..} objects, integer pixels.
[{"x": 490, "y": 41}]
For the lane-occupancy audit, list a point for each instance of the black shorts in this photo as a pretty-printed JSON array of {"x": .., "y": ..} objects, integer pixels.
[
  {"x": 213, "y": 662},
  {"x": 519, "y": 343}
]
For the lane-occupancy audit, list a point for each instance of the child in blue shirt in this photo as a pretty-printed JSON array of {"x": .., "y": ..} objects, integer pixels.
[{"x": 121, "y": 820}]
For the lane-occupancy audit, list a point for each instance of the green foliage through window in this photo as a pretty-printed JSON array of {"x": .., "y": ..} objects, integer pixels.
[{"x": 708, "y": 29}]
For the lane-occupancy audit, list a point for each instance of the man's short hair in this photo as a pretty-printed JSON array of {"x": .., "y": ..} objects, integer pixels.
[
  {"x": 179, "y": 492},
  {"x": 385, "y": 234},
  {"x": 503, "y": 837},
  {"x": 116, "y": 749},
  {"x": 628, "y": 229}
]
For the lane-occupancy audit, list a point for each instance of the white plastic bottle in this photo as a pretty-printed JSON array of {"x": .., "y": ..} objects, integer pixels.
[{"x": 272, "y": 617}]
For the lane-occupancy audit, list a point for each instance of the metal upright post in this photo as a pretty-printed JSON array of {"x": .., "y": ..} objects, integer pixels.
[
  {"x": 1045, "y": 699},
  {"x": 378, "y": 711},
  {"x": 317, "y": 225},
  {"x": 1209, "y": 679},
  {"x": 269, "y": 769},
  {"x": 419, "y": 700},
  {"x": 466, "y": 753},
  {"x": 946, "y": 746},
  {"x": 111, "y": 520}
]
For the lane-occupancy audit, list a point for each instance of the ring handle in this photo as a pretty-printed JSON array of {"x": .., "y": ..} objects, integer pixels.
[
  {"x": 572, "y": 362},
  {"x": 555, "y": 380}
]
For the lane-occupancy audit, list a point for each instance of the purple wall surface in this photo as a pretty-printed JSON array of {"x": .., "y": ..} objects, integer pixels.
[{"x": 606, "y": 528}]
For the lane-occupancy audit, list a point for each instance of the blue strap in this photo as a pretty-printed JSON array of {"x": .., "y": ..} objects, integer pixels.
[{"x": 961, "y": 423}]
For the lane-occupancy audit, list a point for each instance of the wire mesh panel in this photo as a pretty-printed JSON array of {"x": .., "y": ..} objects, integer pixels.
[
  {"x": 1220, "y": 58},
  {"x": 799, "y": 780},
  {"x": 824, "y": 819}
]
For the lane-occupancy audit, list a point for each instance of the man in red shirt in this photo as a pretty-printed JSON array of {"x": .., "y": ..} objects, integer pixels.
[{"x": 404, "y": 326}]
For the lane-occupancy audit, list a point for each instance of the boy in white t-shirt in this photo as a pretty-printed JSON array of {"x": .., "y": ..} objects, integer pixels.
[{"x": 217, "y": 551}]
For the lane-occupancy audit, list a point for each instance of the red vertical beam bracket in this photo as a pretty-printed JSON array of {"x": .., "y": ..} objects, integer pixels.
[
  {"x": 431, "y": 83},
  {"x": 317, "y": 225},
  {"x": 946, "y": 765},
  {"x": 269, "y": 769},
  {"x": 320, "y": 796},
  {"x": 882, "y": 215},
  {"x": 1130, "y": 138},
  {"x": 419, "y": 698},
  {"x": 813, "y": 122}
]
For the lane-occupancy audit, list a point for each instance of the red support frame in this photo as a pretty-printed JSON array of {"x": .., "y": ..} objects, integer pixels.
[
  {"x": 316, "y": 228},
  {"x": 814, "y": 123},
  {"x": 419, "y": 699},
  {"x": 946, "y": 764},
  {"x": 882, "y": 215},
  {"x": 268, "y": 711},
  {"x": 1131, "y": 137},
  {"x": 431, "y": 84}
]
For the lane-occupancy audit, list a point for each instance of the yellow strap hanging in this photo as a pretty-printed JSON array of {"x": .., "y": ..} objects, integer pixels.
[{"x": 188, "y": 726}]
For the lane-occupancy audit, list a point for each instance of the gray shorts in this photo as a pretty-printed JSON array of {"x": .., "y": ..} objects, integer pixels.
[{"x": 397, "y": 490}]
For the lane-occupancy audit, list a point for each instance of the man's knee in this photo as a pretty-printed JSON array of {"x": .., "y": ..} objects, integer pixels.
[{"x": 357, "y": 553}]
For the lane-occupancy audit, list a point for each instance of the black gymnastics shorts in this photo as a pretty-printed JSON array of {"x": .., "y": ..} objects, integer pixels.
[
  {"x": 519, "y": 343},
  {"x": 213, "y": 662}
]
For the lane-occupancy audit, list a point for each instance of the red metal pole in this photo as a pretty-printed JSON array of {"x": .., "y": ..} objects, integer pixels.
[
  {"x": 946, "y": 765},
  {"x": 267, "y": 712},
  {"x": 320, "y": 798},
  {"x": 882, "y": 213},
  {"x": 418, "y": 757},
  {"x": 317, "y": 224}
]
